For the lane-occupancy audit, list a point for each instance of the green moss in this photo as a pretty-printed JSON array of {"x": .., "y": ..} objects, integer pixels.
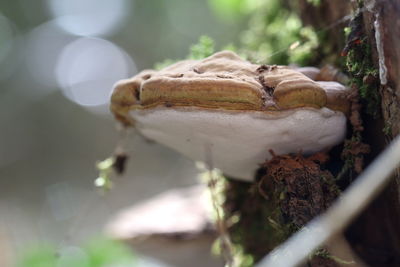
[
  {"x": 259, "y": 224},
  {"x": 348, "y": 158},
  {"x": 364, "y": 75},
  {"x": 346, "y": 31},
  {"x": 278, "y": 204},
  {"x": 387, "y": 129},
  {"x": 323, "y": 253},
  {"x": 240, "y": 258}
]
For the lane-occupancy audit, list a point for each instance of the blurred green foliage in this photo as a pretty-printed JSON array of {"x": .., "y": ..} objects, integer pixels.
[
  {"x": 275, "y": 35},
  {"x": 102, "y": 251},
  {"x": 99, "y": 252},
  {"x": 232, "y": 10},
  {"x": 105, "y": 169},
  {"x": 40, "y": 256},
  {"x": 204, "y": 48},
  {"x": 314, "y": 2},
  {"x": 164, "y": 63},
  {"x": 227, "y": 10}
]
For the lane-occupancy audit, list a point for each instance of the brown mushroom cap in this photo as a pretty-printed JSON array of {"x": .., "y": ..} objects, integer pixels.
[
  {"x": 221, "y": 81},
  {"x": 292, "y": 89}
]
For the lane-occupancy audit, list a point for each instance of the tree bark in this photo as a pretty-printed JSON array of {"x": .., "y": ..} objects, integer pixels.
[
  {"x": 378, "y": 228},
  {"x": 375, "y": 235}
]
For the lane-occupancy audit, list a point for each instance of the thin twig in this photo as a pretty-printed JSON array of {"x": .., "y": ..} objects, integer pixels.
[{"x": 224, "y": 238}]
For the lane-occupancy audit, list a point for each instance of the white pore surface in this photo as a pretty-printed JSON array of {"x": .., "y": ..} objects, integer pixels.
[{"x": 237, "y": 142}]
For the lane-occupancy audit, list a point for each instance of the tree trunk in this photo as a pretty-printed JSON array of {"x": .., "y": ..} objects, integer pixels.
[{"x": 375, "y": 235}]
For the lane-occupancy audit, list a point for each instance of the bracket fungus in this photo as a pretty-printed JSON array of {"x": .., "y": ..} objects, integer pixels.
[{"x": 233, "y": 108}]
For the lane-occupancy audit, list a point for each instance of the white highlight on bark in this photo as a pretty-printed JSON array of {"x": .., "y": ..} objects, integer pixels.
[
  {"x": 370, "y": 5},
  {"x": 379, "y": 48}
]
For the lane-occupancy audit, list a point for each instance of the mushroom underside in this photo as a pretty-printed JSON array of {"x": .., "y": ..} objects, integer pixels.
[{"x": 238, "y": 142}]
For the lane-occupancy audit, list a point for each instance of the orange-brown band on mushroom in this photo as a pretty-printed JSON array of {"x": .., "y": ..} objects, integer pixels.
[
  {"x": 224, "y": 81},
  {"x": 291, "y": 94},
  {"x": 337, "y": 96},
  {"x": 217, "y": 93},
  {"x": 122, "y": 99},
  {"x": 278, "y": 74},
  {"x": 126, "y": 95}
]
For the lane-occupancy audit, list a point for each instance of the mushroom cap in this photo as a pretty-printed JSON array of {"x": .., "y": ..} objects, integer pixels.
[
  {"x": 221, "y": 81},
  {"x": 233, "y": 110}
]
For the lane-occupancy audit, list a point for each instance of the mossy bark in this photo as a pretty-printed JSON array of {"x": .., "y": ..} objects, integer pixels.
[
  {"x": 371, "y": 57},
  {"x": 289, "y": 191},
  {"x": 376, "y": 235},
  {"x": 372, "y": 54}
]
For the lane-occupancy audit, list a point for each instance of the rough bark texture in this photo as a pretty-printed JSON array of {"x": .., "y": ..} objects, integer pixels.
[
  {"x": 282, "y": 203},
  {"x": 386, "y": 14},
  {"x": 290, "y": 191},
  {"x": 375, "y": 235}
]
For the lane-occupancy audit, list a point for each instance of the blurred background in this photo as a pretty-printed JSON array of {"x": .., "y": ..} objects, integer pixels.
[{"x": 58, "y": 62}]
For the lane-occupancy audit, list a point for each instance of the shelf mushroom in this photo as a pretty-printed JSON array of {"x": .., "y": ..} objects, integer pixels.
[{"x": 233, "y": 110}]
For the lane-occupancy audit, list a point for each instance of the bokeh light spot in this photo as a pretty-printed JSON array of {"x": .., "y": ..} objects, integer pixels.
[
  {"x": 88, "y": 68},
  {"x": 89, "y": 17},
  {"x": 6, "y": 37},
  {"x": 8, "y": 45},
  {"x": 44, "y": 44}
]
